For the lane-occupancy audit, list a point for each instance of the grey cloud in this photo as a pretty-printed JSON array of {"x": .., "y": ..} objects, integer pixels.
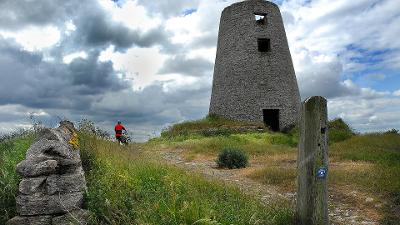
[
  {"x": 154, "y": 36},
  {"x": 21, "y": 13},
  {"x": 92, "y": 76},
  {"x": 95, "y": 28},
  {"x": 324, "y": 79},
  {"x": 190, "y": 67},
  {"x": 209, "y": 39},
  {"x": 169, "y": 8},
  {"x": 153, "y": 105},
  {"x": 29, "y": 80}
]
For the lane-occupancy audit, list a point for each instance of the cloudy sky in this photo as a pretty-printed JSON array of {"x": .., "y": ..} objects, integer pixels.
[{"x": 150, "y": 63}]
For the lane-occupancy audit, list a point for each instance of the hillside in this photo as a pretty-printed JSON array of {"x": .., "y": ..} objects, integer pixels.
[
  {"x": 173, "y": 179},
  {"x": 363, "y": 167}
]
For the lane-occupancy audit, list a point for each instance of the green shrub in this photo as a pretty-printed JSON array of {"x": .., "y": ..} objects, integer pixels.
[
  {"x": 232, "y": 158},
  {"x": 392, "y": 131},
  {"x": 338, "y": 130}
]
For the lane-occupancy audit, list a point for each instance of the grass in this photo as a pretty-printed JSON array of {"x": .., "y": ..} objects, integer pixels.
[
  {"x": 284, "y": 177},
  {"x": 369, "y": 163},
  {"x": 212, "y": 125},
  {"x": 127, "y": 187},
  {"x": 12, "y": 151},
  {"x": 253, "y": 144}
]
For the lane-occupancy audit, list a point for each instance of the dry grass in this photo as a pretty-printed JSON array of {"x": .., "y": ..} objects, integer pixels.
[{"x": 368, "y": 164}]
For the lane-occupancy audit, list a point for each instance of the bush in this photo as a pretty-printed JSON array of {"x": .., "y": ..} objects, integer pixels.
[
  {"x": 232, "y": 158},
  {"x": 338, "y": 131},
  {"x": 392, "y": 131}
]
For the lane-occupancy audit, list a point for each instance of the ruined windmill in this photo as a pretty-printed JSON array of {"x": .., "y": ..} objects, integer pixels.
[{"x": 254, "y": 78}]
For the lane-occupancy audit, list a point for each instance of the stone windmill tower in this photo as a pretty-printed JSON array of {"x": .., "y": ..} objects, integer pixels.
[{"x": 254, "y": 78}]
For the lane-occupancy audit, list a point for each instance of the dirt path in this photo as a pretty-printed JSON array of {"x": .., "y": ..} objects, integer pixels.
[{"x": 340, "y": 213}]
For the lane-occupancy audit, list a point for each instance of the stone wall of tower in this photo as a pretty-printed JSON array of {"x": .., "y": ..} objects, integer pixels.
[{"x": 246, "y": 81}]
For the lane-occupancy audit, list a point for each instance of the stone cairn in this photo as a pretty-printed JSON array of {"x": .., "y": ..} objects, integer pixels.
[{"x": 53, "y": 183}]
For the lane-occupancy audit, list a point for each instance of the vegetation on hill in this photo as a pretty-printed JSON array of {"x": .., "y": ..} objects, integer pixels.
[
  {"x": 339, "y": 131},
  {"x": 128, "y": 186},
  {"x": 368, "y": 163},
  {"x": 212, "y": 125},
  {"x": 12, "y": 151}
]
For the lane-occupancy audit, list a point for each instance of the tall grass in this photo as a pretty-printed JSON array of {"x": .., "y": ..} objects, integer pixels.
[
  {"x": 127, "y": 187},
  {"x": 12, "y": 151}
]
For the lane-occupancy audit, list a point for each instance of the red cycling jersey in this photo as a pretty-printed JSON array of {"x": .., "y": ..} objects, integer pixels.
[{"x": 118, "y": 130}]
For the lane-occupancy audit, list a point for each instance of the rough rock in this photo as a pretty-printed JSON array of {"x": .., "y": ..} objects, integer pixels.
[
  {"x": 51, "y": 148},
  {"x": 53, "y": 183},
  {"x": 31, "y": 186},
  {"x": 67, "y": 125},
  {"x": 78, "y": 217},
  {"x": 48, "y": 134},
  {"x": 36, "y": 167},
  {"x": 65, "y": 183},
  {"x": 30, "y": 220},
  {"x": 28, "y": 205}
]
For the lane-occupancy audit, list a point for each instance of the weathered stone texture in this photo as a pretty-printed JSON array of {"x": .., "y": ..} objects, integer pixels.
[
  {"x": 28, "y": 205},
  {"x": 30, "y": 220},
  {"x": 36, "y": 167},
  {"x": 65, "y": 183},
  {"x": 246, "y": 81},
  {"x": 32, "y": 186},
  {"x": 53, "y": 183}
]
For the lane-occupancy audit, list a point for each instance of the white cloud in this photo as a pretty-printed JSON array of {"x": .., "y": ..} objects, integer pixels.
[
  {"x": 396, "y": 93},
  {"x": 14, "y": 117},
  {"x": 131, "y": 14},
  {"x": 367, "y": 115},
  {"x": 69, "y": 27},
  {"x": 139, "y": 64},
  {"x": 34, "y": 38},
  {"x": 330, "y": 27},
  {"x": 188, "y": 29},
  {"x": 205, "y": 53},
  {"x": 70, "y": 57}
]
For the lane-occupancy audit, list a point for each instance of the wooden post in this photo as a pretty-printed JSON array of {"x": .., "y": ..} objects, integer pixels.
[{"x": 312, "y": 164}]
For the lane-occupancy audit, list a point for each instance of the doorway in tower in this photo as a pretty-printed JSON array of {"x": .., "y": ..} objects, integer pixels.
[{"x": 271, "y": 118}]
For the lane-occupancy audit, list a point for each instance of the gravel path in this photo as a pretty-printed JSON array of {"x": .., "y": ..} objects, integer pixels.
[{"x": 340, "y": 213}]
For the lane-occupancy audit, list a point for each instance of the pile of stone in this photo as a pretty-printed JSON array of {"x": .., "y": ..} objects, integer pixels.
[{"x": 53, "y": 183}]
